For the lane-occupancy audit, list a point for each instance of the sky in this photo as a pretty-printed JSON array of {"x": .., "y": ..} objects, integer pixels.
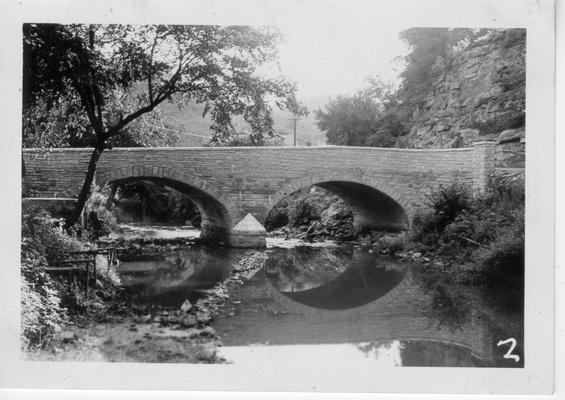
[{"x": 331, "y": 50}]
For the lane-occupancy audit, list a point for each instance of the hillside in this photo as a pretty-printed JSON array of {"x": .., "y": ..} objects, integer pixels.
[{"x": 196, "y": 129}]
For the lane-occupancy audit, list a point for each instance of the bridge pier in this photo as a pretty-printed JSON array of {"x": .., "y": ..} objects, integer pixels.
[{"x": 248, "y": 233}]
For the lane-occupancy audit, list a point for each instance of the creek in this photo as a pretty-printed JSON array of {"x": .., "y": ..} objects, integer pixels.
[{"x": 326, "y": 301}]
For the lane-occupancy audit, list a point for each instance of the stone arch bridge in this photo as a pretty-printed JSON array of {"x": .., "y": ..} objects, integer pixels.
[{"x": 384, "y": 187}]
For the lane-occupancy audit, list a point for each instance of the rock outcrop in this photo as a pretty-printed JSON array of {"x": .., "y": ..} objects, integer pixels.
[{"x": 480, "y": 93}]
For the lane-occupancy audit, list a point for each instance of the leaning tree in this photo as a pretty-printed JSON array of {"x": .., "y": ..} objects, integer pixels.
[{"x": 115, "y": 74}]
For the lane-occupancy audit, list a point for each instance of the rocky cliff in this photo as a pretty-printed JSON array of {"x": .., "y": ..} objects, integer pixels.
[{"x": 479, "y": 95}]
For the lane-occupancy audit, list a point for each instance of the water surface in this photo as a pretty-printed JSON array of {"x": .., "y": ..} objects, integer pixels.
[{"x": 331, "y": 302}]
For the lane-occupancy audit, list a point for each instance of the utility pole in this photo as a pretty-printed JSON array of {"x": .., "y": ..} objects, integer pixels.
[{"x": 294, "y": 121}]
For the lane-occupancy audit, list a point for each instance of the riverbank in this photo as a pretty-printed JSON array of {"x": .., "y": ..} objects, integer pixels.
[{"x": 128, "y": 332}]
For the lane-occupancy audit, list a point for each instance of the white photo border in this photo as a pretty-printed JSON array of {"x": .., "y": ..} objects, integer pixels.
[{"x": 537, "y": 16}]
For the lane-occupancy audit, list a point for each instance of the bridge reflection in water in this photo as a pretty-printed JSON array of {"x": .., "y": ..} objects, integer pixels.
[
  {"x": 327, "y": 303},
  {"x": 373, "y": 304}
]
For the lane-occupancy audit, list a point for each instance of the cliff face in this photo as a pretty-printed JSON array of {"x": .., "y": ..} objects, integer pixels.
[{"x": 479, "y": 94}]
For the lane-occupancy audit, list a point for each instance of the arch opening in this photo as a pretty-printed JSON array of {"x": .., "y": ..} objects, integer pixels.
[
  {"x": 369, "y": 207},
  {"x": 372, "y": 209},
  {"x": 216, "y": 222}
]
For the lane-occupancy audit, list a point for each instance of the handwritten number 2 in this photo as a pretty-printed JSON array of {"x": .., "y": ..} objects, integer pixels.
[{"x": 509, "y": 354}]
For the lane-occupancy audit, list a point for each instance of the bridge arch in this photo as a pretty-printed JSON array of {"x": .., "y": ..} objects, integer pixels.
[
  {"x": 218, "y": 212},
  {"x": 375, "y": 205}
]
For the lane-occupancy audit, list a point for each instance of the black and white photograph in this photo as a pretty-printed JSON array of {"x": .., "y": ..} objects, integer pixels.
[{"x": 327, "y": 188}]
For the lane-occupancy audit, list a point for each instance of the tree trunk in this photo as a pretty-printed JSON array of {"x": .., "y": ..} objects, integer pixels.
[{"x": 85, "y": 191}]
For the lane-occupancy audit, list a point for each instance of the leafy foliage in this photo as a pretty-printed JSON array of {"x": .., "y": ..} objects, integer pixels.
[
  {"x": 380, "y": 115},
  {"x": 278, "y": 217},
  {"x": 115, "y": 74},
  {"x": 371, "y": 117},
  {"x": 305, "y": 206},
  {"x": 46, "y": 236},
  {"x": 480, "y": 230},
  {"x": 159, "y": 202},
  {"x": 348, "y": 121},
  {"x": 447, "y": 202},
  {"x": 46, "y": 302},
  {"x": 246, "y": 139},
  {"x": 119, "y": 72},
  {"x": 59, "y": 124},
  {"x": 43, "y": 241},
  {"x": 42, "y": 315},
  {"x": 100, "y": 221}
]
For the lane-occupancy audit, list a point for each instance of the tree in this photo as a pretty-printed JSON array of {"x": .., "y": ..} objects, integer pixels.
[
  {"x": 116, "y": 74},
  {"x": 63, "y": 124},
  {"x": 349, "y": 120},
  {"x": 372, "y": 117}
]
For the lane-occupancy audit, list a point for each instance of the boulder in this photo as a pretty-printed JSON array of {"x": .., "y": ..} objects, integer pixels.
[
  {"x": 203, "y": 317},
  {"x": 391, "y": 242},
  {"x": 337, "y": 211},
  {"x": 208, "y": 331},
  {"x": 186, "y": 306},
  {"x": 188, "y": 321},
  {"x": 511, "y": 135}
]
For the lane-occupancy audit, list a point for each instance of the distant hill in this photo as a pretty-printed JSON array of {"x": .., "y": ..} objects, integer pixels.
[{"x": 196, "y": 129}]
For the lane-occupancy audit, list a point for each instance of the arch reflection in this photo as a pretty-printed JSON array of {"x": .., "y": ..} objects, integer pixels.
[{"x": 332, "y": 278}]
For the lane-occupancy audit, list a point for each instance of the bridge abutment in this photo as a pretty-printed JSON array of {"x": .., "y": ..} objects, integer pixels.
[{"x": 483, "y": 165}]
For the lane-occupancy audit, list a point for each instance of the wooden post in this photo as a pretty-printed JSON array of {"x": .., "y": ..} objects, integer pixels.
[{"x": 86, "y": 285}]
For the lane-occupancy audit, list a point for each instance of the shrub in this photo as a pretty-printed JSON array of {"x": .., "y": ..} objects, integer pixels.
[
  {"x": 278, "y": 217},
  {"x": 448, "y": 201},
  {"x": 100, "y": 221},
  {"x": 501, "y": 270},
  {"x": 42, "y": 315},
  {"x": 446, "y": 204},
  {"x": 46, "y": 235},
  {"x": 462, "y": 228},
  {"x": 43, "y": 297},
  {"x": 42, "y": 318}
]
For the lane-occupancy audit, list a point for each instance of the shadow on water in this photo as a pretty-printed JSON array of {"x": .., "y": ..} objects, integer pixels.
[{"x": 169, "y": 279}]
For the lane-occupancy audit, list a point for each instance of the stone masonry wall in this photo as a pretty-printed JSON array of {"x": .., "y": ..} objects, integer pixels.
[
  {"x": 255, "y": 177},
  {"x": 232, "y": 182}
]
